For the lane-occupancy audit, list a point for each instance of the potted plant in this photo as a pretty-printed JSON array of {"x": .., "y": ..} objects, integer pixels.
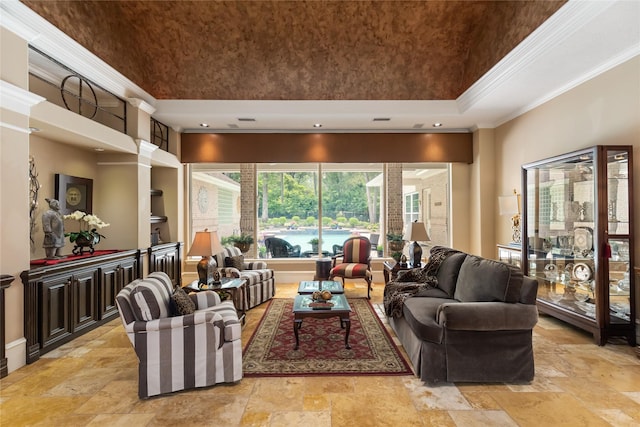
[
  {"x": 242, "y": 242},
  {"x": 396, "y": 256},
  {"x": 395, "y": 241},
  {"x": 314, "y": 244},
  {"x": 380, "y": 251}
]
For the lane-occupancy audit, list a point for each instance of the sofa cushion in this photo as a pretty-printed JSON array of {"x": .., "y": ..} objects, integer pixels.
[
  {"x": 181, "y": 304},
  {"x": 420, "y": 314},
  {"x": 236, "y": 261},
  {"x": 448, "y": 272},
  {"x": 150, "y": 300},
  {"x": 487, "y": 280}
]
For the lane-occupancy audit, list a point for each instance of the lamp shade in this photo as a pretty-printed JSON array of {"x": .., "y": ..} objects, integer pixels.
[
  {"x": 509, "y": 205},
  {"x": 416, "y": 232},
  {"x": 206, "y": 243}
]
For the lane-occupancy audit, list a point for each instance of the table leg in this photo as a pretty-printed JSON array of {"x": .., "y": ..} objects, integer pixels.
[
  {"x": 347, "y": 322},
  {"x": 297, "y": 324}
]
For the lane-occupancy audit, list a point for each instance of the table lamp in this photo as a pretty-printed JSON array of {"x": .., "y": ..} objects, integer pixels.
[
  {"x": 206, "y": 244},
  {"x": 510, "y": 205},
  {"x": 416, "y": 231}
]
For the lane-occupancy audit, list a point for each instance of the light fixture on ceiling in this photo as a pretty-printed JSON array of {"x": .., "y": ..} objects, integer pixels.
[
  {"x": 437, "y": 125},
  {"x": 317, "y": 125},
  {"x": 99, "y": 149},
  {"x": 204, "y": 125}
]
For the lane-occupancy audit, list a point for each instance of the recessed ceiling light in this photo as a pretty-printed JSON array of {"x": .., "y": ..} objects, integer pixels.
[
  {"x": 204, "y": 125},
  {"x": 98, "y": 149},
  {"x": 317, "y": 125},
  {"x": 437, "y": 125}
]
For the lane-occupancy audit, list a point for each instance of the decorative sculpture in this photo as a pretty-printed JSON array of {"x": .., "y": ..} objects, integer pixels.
[{"x": 53, "y": 227}]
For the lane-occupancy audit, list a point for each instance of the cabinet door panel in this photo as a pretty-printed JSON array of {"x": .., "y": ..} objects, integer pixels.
[
  {"x": 166, "y": 258},
  {"x": 84, "y": 300},
  {"x": 109, "y": 288},
  {"x": 55, "y": 298}
]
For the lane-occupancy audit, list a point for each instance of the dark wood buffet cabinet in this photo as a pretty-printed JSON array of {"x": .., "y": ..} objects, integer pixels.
[{"x": 67, "y": 299}]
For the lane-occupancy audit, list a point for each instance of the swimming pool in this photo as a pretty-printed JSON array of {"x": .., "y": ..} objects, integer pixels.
[{"x": 330, "y": 237}]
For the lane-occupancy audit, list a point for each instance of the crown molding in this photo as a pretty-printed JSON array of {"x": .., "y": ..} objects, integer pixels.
[
  {"x": 145, "y": 148},
  {"x": 566, "y": 21},
  {"x": 613, "y": 62},
  {"x": 14, "y": 98},
  {"x": 142, "y": 105}
]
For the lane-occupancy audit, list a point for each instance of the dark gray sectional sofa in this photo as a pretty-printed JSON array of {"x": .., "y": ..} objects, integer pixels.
[{"x": 475, "y": 326}]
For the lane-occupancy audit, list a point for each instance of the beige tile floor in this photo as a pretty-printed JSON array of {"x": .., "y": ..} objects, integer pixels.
[{"x": 92, "y": 381}]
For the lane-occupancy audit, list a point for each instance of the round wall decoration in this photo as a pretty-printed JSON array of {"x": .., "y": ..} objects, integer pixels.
[{"x": 203, "y": 199}]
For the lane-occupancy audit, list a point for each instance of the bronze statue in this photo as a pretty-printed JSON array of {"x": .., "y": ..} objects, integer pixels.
[{"x": 53, "y": 227}]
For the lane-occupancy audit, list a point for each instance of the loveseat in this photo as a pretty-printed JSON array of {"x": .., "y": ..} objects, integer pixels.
[
  {"x": 181, "y": 341},
  {"x": 260, "y": 279},
  {"x": 473, "y": 322}
]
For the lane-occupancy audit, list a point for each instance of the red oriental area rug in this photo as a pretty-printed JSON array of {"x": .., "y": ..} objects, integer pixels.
[{"x": 270, "y": 351}]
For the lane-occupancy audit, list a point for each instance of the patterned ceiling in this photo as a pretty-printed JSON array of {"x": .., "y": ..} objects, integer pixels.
[{"x": 299, "y": 50}]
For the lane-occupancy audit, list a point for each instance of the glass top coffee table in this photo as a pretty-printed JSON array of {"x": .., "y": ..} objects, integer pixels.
[
  {"x": 310, "y": 286},
  {"x": 303, "y": 307}
]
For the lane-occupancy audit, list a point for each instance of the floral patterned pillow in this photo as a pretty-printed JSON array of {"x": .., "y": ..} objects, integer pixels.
[
  {"x": 181, "y": 304},
  {"x": 235, "y": 262}
]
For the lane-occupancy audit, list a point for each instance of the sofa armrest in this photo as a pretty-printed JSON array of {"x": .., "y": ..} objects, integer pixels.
[
  {"x": 178, "y": 322},
  {"x": 255, "y": 265},
  {"x": 487, "y": 316},
  {"x": 166, "y": 324},
  {"x": 205, "y": 299}
]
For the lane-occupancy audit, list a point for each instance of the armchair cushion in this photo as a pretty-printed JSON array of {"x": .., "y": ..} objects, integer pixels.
[
  {"x": 236, "y": 261},
  {"x": 149, "y": 301}
]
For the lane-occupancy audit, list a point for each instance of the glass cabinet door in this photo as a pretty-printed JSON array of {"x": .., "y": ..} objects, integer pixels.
[{"x": 578, "y": 239}]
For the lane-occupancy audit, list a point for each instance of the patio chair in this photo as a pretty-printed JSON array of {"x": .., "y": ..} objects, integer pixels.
[
  {"x": 356, "y": 261},
  {"x": 279, "y": 248}
]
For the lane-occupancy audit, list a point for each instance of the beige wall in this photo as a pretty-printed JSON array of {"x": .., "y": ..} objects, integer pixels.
[{"x": 603, "y": 111}]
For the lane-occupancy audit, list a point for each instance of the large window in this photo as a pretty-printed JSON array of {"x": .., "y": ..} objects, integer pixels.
[
  {"x": 215, "y": 199},
  {"x": 311, "y": 209},
  {"x": 425, "y": 187}
]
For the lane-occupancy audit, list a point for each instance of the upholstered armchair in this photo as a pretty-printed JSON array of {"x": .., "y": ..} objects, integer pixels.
[
  {"x": 260, "y": 280},
  {"x": 184, "y": 351},
  {"x": 355, "y": 263},
  {"x": 279, "y": 248}
]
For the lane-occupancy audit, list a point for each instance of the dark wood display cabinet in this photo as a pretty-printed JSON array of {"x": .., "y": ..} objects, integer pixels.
[
  {"x": 578, "y": 239},
  {"x": 70, "y": 297}
]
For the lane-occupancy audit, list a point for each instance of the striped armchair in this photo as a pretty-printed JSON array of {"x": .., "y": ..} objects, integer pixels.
[
  {"x": 355, "y": 263},
  {"x": 181, "y": 352},
  {"x": 260, "y": 286}
]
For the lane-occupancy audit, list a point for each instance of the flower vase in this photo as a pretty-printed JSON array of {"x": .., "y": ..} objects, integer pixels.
[{"x": 85, "y": 242}]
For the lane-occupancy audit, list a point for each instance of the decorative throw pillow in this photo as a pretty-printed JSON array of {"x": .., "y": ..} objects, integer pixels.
[
  {"x": 181, "y": 304},
  {"x": 235, "y": 262}
]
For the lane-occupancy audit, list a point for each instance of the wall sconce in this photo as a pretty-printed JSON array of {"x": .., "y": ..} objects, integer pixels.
[
  {"x": 206, "y": 244},
  {"x": 510, "y": 205},
  {"x": 416, "y": 231}
]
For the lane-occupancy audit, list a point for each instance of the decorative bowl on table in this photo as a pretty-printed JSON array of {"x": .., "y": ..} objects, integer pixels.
[{"x": 321, "y": 296}]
